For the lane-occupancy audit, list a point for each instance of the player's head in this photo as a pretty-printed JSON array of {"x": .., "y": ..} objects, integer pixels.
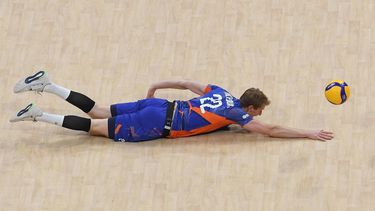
[{"x": 253, "y": 101}]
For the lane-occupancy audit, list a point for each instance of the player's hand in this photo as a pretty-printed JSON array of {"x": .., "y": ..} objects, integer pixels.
[
  {"x": 320, "y": 135},
  {"x": 151, "y": 93}
]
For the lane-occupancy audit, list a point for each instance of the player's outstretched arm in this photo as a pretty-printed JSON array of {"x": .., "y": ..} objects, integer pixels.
[
  {"x": 192, "y": 86},
  {"x": 285, "y": 132}
]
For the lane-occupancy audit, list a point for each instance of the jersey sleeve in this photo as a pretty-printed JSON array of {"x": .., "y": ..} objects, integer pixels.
[
  {"x": 239, "y": 116},
  {"x": 210, "y": 87}
]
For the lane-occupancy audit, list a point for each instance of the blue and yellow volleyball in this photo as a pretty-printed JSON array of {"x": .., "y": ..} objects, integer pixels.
[{"x": 337, "y": 92}]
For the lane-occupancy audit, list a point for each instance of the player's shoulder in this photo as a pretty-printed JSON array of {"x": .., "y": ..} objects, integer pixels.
[
  {"x": 238, "y": 114},
  {"x": 212, "y": 87}
]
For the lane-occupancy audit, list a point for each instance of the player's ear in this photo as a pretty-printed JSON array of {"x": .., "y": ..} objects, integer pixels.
[{"x": 250, "y": 108}]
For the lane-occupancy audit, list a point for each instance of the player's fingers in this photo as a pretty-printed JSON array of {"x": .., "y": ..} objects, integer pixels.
[
  {"x": 325, "y": 137},
  {"x": 327, "y": 132},
  {"x": 329, "y": 135},
  {"x": 321, "y": 139}
]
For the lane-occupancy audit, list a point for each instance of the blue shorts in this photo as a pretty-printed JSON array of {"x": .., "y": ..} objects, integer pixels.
[{"x": 138, "y": 121}]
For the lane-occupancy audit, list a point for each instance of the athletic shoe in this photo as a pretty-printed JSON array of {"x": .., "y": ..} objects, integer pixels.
[
  {"x": 27, "y": 114},
  {"x": 36, "y": 82}
]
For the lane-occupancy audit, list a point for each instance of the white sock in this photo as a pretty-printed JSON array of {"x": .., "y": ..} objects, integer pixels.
[
  {"x": 51, "y": 118},
  {"x": 57, "y": 90}
]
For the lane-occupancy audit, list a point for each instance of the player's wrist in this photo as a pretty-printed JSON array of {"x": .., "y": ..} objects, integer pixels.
[{"x": 311, "y": 135}]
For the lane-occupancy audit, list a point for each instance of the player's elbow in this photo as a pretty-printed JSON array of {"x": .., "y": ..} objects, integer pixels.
[
  {"x": 192, "y": 86},
  {"x": 272, "y": 131},
  {"x": 184, "y": 83}
]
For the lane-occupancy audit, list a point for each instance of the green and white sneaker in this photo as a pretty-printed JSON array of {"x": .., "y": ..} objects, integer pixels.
[
  {"x": 36, "y": 82},
  {"x": 27, "y": 114}
]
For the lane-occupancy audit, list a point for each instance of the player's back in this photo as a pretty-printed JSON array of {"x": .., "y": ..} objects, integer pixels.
[{"x": 213, "y": 110}]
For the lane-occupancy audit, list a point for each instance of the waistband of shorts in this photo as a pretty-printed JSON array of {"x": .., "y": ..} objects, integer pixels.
[{"x": 169, "y": 118}]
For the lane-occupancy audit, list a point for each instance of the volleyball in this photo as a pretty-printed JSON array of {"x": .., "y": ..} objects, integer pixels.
[{"x": 337, "y": 92}]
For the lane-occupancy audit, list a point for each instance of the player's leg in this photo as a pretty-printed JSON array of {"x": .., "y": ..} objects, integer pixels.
[
  {"x": 99, "y": 127},
  {"x": 40, "y": 82},
  {"x": 100, "y": 112},
  {"x": 103, "y": 112},
  {"x": 146, "y": 122},
  {"x": 133, "y": 107},
  {"x": 95, "y": 127},
  {"x": 144, "y": 125}
]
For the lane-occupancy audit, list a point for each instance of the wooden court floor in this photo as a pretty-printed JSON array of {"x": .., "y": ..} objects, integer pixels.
[{"x": 112, "y": 50}]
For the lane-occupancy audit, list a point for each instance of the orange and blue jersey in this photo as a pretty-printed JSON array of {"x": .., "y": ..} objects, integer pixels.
[
  {"x": 215, "y": 109},
  {"x": 144, "y": 120}
]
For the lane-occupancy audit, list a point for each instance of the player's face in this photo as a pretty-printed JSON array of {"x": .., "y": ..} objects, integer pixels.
[{"x": 255, "y": 112}]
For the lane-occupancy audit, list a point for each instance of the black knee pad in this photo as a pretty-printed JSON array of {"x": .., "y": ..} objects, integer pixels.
[
  {"x": 81, "y": 101},
  {"x": 77, "y": 123}
]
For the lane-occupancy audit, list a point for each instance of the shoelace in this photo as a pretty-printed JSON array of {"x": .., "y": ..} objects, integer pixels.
[{"x": 40, "y": 92}]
